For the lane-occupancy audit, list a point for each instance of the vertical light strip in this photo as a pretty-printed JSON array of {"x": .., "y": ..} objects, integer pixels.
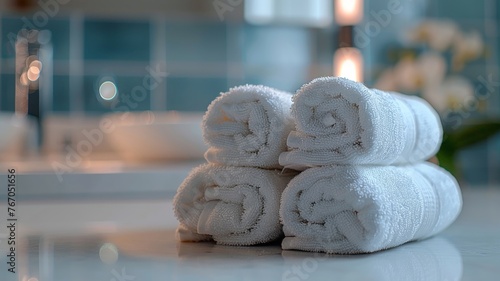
[
  {"x": 76, "y": 68},
  {"x": 158, "y": 55}
]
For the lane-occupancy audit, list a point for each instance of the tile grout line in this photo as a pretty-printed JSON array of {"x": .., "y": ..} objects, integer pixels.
[
  {"x": 158, "y": 96},
  {"x": 76, "y": 91}
]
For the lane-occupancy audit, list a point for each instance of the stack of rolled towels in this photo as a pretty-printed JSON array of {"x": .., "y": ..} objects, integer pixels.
[
  {"x": 363, "y": 186},
  {"x": 234, "y": 199}
]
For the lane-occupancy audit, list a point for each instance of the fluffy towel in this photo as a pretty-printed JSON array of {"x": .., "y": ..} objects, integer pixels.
[
  {"x": 362, "y": 209},
  {"x": 231, "y": 205},
  {"x": 248, "y": 126},
  {"x": 339, "y": 121}
]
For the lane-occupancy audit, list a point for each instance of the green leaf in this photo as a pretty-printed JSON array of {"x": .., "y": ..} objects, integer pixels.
[
  {"x": 471, "y": 134},
  {"x": 447, "y": 161},
  {"x": 461, "y": 138}
]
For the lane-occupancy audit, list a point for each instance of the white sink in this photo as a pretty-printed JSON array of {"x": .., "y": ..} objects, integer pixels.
[
  {"x": 157, "y": 136},
  {"x": 13, "y": 132}
]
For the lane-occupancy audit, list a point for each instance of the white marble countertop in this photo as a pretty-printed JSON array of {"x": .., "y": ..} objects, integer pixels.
[
  {"x": 125, "y": 240},
  {"x": 49, "y": 179}
]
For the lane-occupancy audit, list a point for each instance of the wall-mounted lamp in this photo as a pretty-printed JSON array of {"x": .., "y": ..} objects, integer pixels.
[
  {"x": 347, "y": 60},
  {"x": 348, "y": 63},
  {"x": 348, "y": 12},
  {"x": 33, "y": 79}
]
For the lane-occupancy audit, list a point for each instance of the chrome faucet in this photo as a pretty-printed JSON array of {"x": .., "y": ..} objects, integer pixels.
[{"x": 34, "y": 75}]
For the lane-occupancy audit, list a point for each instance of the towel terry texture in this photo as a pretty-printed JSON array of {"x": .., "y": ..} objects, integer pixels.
[
  {"x": 362, "y": 209},
  {"x": 339, "y": 121},
  {"x": 248, "y": 126},
  {"x": 364, "y": 185},
  {"x": 231, "y": 205}
]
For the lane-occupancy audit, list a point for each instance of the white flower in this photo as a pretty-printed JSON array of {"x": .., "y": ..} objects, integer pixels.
[
  {"x": 386, "y": 81},
  {"x": 407, "y": 77},
  {"x": 431, "y": 68},
  {"x": 411, "y": 75},
  {"x": 453, "y": 93},
  {"x": 439, "y": 34},
  {"x": 466, "y": 47}
]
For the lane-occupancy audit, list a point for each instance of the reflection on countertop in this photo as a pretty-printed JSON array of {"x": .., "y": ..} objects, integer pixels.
[
  {"x": 47, "y": 179},
  {"x": 135, "y": 240}
]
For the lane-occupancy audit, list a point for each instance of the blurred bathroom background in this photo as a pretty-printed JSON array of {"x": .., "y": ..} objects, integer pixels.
[{"x": 70, "y": 63}]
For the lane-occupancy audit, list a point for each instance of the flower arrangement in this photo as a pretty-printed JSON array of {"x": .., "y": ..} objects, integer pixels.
[{"x": 435, "y": 75}]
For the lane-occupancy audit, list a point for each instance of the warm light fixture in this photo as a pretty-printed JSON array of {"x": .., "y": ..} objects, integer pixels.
[
  {"x": 348, "y": 12},
  {"x": 347, "y": 60},
  {"x": 348, "y": 63}
]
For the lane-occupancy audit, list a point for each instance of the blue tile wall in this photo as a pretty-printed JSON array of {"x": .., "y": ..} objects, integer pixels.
[
  {"x": 325, "y": 44},
  {"x": 482, "y": 169},
  {"x": 193, "y": 93},
  {"x": 204, "y": 58},
  {"x": 494, "y": 156},
  {"x": 498, "y": 45},
  {"x": 276, "y": 81},
  {"x": 62, "y": 92},
  {"x": 196, "y": 42},
  {"x": 116, "y": 40},
  {"x": 457, "y": 9},
  {"x": 59, "y": 29},
  {"x": 126, "y": 99},
  {"x": 473, "y": 164},
  {"x": 8, "y": 90},
  {"x": 196, "y": 52},
  {"x": 278, "y": 56}
]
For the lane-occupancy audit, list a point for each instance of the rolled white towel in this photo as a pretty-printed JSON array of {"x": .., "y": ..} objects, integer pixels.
[
  {"x": 248, "y": 126},
  {"x": 231, "y": 205},
  {"x": 339, "y": 121},
  {"x": 362, "y": 209}
]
